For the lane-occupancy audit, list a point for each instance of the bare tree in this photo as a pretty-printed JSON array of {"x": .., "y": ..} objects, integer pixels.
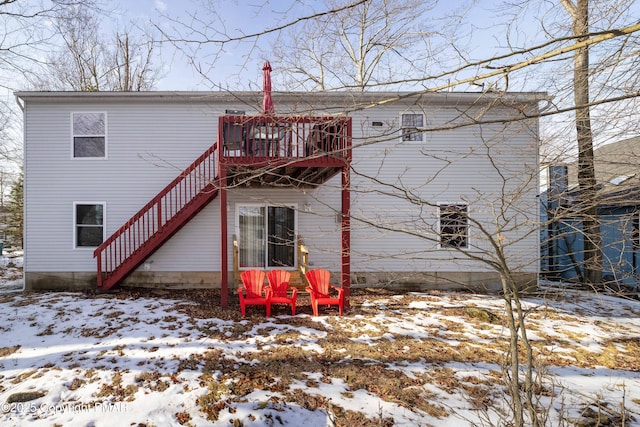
[
  {"x": 27, "y": 36},
  {"x": 133, "y": 68},
  {"x": 89, "y": 62},
  {"x": 80, "y": 66},
  {"x": 204, "y": 38},
  {"x": 500, "y": 222},
  {"x": 598, "y": 85},
  {"x": 25, "y": 42},
  {"x": 579, "y": 13},
  {"x": 371, "y": 44}
]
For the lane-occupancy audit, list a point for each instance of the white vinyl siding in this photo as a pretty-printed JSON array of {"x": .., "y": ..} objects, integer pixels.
[
  {"x": 152, "y": 139},
  {"x": 486, "y": 168},
  {"x": 149, "y": 144}
]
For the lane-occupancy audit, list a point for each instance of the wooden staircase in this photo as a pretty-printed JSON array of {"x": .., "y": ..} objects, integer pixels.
[
  {"x": 172, "y": 208},
  {"x": 298, "y": 152}
]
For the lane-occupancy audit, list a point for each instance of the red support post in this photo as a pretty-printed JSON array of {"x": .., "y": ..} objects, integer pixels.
[
  {"x": 99, "y": 275},
  {"x": 224, "y": 263},
  {"x": 346, "y": 233}
]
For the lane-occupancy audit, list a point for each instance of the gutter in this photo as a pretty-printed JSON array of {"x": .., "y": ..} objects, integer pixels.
[{"x": 20, "y": 104}]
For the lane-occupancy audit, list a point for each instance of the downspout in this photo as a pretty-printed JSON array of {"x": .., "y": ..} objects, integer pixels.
[{"x": 19, "y": 103}]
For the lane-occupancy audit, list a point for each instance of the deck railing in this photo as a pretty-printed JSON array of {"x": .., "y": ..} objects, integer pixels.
[
  {"x": 123, "y": 246},
  {"x": 286, "y": 137}
]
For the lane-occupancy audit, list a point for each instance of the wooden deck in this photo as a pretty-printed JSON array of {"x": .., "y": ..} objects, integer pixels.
[{"x": 283, "y": 150}]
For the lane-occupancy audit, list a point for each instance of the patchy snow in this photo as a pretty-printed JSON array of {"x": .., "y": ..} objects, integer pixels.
[{"x": 130, "y": 358}]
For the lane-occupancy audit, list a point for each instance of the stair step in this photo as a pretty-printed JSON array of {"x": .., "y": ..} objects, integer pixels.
[
  {"x": 297, "y": 281},
  {"x": 136, "y": 240}
]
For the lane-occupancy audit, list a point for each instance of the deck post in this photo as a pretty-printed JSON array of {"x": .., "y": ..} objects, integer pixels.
[
  {"x": 346, "y": 233},
  {"x": 224, "y": 264}
]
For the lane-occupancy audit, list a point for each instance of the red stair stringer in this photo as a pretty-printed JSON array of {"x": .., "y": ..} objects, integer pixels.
[{"x": 173, "y": 207}]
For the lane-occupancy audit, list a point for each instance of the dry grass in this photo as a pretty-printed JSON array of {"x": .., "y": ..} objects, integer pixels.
[
  {"x": 25, "y": 396},
  {"x": 7, "y": 351},
  {"x": 116, "y": 390},
  {"x": 369, "y": 364},
  {"x": 362, "y": 352}
]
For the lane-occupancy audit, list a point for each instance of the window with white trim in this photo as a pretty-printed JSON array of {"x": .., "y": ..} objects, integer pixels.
[
  {"x": 88, "y": 221},
  {"x": 412, "y": 127},
  {"x": 453, "y": 225},
  {"x": 89, "y": 135},
  {"x": 267, "y": 236}
]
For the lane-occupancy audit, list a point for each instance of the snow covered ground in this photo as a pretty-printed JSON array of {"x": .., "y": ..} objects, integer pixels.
[{"x": 161, "y": 358}]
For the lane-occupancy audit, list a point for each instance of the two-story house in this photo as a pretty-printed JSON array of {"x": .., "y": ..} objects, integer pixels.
[{"x": 181, "y": 189}]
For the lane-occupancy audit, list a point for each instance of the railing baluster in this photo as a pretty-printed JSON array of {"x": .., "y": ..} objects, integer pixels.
[{"x": 131, "y": 237}]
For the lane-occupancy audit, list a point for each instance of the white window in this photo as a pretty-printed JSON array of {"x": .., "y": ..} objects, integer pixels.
[
  {"x": 267, "y": 236},
  {"x": 88, "y": 219},
  {"x": 89, "y": 135},
  {"x": 412, "y": 127},
  {"x": 454, "y": 225}
]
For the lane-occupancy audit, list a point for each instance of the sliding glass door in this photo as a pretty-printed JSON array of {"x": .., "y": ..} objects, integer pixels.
[{"x": 266, "y": 236}]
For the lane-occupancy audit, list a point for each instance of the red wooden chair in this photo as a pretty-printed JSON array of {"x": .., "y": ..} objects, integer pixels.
[
  {"x": 279, "y": 289},
  {"x": 253, "y": 291},
  {"x": 320, "y": 291}
]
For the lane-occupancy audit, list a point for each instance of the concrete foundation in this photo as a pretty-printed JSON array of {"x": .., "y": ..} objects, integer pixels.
[
  {"x": 84, "y": 280},
  {"x": 475, "y": 281},
  {"x": 483, "y": 282}
]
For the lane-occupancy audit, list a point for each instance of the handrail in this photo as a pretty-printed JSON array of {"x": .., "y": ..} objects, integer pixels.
[{"x": 132, "y": 236}]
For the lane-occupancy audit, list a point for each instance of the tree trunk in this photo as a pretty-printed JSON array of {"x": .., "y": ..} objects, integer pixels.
[{"x": 586, "y": 170}]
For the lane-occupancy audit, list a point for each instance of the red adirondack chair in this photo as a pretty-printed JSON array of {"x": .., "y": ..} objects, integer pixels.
[
  {"x": 320, "y": 290},
  {"x": 253, "y": 291},
  {"x": 279, "y": 289}
]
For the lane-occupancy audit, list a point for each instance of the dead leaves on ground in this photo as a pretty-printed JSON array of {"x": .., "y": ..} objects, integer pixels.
[
  {"x": 7, "y": 351},
  {"x": 363, "y": 350}
]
